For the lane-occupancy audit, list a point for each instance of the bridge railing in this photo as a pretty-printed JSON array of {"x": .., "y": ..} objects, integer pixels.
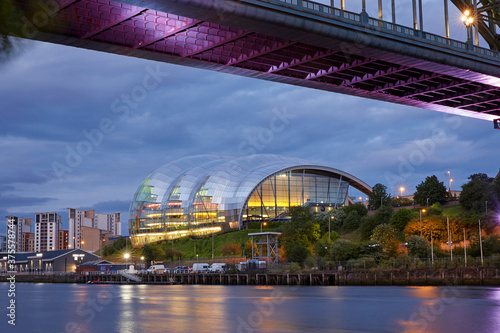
[{"x": 388, "y": 27}]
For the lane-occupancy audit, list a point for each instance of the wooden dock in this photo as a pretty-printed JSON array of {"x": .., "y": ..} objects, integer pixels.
[{"x": 468, "y": 276}]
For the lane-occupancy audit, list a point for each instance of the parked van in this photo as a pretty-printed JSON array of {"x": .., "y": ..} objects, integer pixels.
[
  {"x": 218, "y": 268},
  {"x": 156, "y": 269},
  {"x": 200, "y": 268}
]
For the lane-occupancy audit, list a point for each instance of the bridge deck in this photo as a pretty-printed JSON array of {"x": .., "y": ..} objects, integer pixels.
[{"x": 289, "y": 41}]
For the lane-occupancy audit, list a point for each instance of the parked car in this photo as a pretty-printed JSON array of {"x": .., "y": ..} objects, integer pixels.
[{"x": 182, "y": 269}]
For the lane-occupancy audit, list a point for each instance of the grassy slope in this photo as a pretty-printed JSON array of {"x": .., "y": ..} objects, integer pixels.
[{"x": 204, "y": 245}]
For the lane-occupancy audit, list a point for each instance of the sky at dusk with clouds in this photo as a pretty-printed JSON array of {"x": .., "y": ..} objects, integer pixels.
[{"x": 54, "y": 97}]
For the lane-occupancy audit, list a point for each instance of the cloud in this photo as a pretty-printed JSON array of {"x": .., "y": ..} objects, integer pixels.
[
  {"x": 12, "y": 201},
  {"x": 54, "y": 96}
]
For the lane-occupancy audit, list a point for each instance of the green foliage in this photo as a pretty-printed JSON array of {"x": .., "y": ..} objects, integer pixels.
[
  {"x": 418, "y": 247},
  {"x": 153, "y": 252},
  {"x": 343, "y": 250},
  {"x": 338, "y": 217},
  {"x": 352, "y": 221},
  {"x": 387, "y": 237},
  {"x": 322, "y": 245},
  {"x": 491, "y": 245},
  {"x": 298, "y": 253},
  {"x": 383, "y": 214},
  {"x": 379, "y": 196},
  {"x": 371, "y": 249},
  {"x": 294, "y": 267},
  {"x": 173, "y": 254},
  {"x": 367, "y": 224},
  {"x": 432, "y": 189},
  {"x": 401, "y": 218},
  {"x": 358, "y": 207},
  {"x": 435, "y": 209},
  {"x": 400, "y": 202},
  {"x": 477, "y": 192},
  {"x": 116, "y": 247},
  {"x": 301, "y": 230}
]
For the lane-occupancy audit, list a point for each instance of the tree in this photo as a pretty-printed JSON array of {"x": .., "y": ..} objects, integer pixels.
[
  {"x": 173, "y": 254},
  {"x": 491, "y": 245},
  {"x": 383, "y": 214},
  {"x": 229, "y": 249},
  {"x": 418, "y": 247},
  {"x": 387, "y": 236},
  {"x": 298, "y": 253},
  {"x": 343, "y": 250},
  {"x": 338, "y": 216},
  {"x": 379, "y": 196},
  {"x": 477, "y": 192},
  {"x": 152, "y": 252},
  {"x": 431, "y": 188},
  {"x": 249, "y": 246},
  {"x": 352, "y": 221},
  {"x": 324, "y": 243},
  {"x": 401, "y": 218},
  {"x": 366, "y": 226},
  {"x": 436, "y": 224},
  {"x": 358, "y": 207},
  {"x": 301, "y": 230}
]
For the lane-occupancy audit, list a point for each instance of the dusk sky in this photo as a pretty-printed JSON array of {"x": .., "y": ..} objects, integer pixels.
[{"x": 54, "y": 98}]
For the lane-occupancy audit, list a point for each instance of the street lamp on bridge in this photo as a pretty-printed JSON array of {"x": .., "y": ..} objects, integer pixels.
[{"x": 468, "y": 20}]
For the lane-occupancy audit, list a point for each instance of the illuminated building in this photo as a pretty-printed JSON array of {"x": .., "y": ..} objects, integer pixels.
[
  {"x": 79, "y": 219},
  {"x": 47, "y": 226},
  {"x": 22, "y": 232},
  {"x": 205, "y": 194}
]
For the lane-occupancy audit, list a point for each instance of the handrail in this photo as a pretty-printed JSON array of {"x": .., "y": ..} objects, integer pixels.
[{"x": 384, "y": 26}]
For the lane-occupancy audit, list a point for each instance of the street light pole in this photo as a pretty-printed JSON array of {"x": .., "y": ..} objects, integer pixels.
[
  {"x": 329, "y": 222},
  {"x": 449, "y": 236},
  {"x": 432, "y": 250},
  {"x": 422, "y": 210},
  {"x": 465, "y": 251},
  {"x": 480, "y": 243}
]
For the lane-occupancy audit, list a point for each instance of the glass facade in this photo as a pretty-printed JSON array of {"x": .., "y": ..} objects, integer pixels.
[
  {"x": 271, "y": 199},
  {"x": 206, "y": 194}
]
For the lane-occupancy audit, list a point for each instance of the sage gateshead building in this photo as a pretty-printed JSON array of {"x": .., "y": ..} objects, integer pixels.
[{"x": 205, "y": 194}]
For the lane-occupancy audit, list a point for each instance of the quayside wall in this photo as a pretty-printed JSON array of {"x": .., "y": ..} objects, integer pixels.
[{"x": 427, "y": 277}]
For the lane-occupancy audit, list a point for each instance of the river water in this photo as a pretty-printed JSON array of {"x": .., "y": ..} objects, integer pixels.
[{"x": 57, "y": 308}]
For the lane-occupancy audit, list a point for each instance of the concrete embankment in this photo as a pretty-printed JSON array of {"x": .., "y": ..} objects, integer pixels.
[{"x": 429, "y": 277}]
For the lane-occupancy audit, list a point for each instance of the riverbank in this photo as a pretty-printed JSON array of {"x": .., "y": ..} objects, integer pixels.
[{"x": 427, "y": 277}]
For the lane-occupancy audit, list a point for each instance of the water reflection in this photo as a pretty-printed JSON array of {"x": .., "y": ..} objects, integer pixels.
[{"x": 182, "y": 308}]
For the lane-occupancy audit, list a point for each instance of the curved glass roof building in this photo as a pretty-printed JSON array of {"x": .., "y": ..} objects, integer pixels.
[{"x": 200, "y": 195}]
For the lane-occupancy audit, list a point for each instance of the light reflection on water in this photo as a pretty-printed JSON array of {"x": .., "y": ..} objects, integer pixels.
[{"x": 182, "y": 308}]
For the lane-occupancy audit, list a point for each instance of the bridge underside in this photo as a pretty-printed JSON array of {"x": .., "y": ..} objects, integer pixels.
[{"x": 279, "y": 43}]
